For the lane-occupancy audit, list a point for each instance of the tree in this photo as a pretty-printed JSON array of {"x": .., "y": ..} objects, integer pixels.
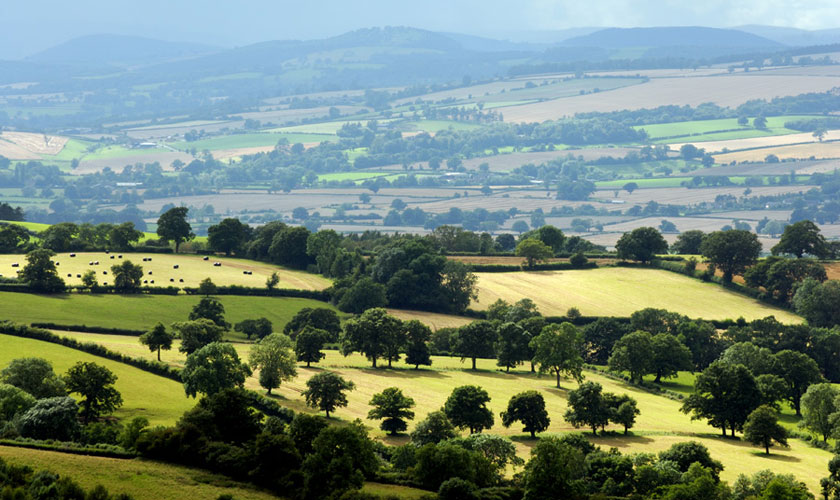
[
  {"x": 172, "y": 225},
  {"x": 558, "y": 349},
  {"x": 417, "y": 351},
  {"x": 58, "y": 237},
  {"x": 376, "y": 334},
  {"x": 467, "y": 408},
  {"x": 551, "y": 236},
  {"x": 89, "y": 280},
  {"x": 669, "y": 356},
  {"x": 393, "y": 408},
  {"x": 157, "y": 338},
  {"x": 819, "y": 403},
  {"x": 641, "y": 244},
  {"x": 228, "y": 236},
  {"x": 274, "y": 358},
  {"x": 798, "y": 371},
  {"x": 212, "y": 309},
  {"x": 13, "y": 238},
  {"x": 533, "y": 251},
  {"x": 435, "y": 428},
  {"x": 14, "y": 401},
  {"x": 625, "y": 413},
  {"x": 207, "y": 288},
  {"x": 633, "y": 353},
  {"x": 762, "y": 428},
  {"x": 212, "y": 369},
  {"x": 288, "y": 247},
  {"x": 325, "y": 391},
  {"x": 731, "y": 251},
  {"x": 818, "y": 302},
  {"x": 40, "y": 272},
  {"x": 127, "y": 276},
  {"x": 121, "y": 236},
  {"x": 511, "y": 346},
  {"x": 363, "y": 295},
  {"x": 630, "y": 187},
  {"x": 554, "y": 470},
  {"x": 475, "y": 340},
  {"x": 725, "y": 395},
  {"x": 95, "y": 383},
  {"x": 688, "y": 242},
  {"x": 272, "y": 281},
  {"x": 51, "y": 418},
  {"x": 599, "y": 338},
  {"x": 196, "y": 334},
  {"x": 308, "y": 345},
  {"x": 802, "y": 238},
  {"x": 760, "y": 122},
  {"x": 587, "y": 407},
  {"x": 687, "y": 453},
  {"x": 320, "y": 318},
  {"x": 342, "y": 458},
  {"x": 35, "y": 376},
  {"x": 529, "y": 408},
  {"x": 258, "y": 328},
  {"x": 520, "y": 226}
]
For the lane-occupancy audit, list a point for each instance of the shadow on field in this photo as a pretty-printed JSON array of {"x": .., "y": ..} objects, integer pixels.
[
  {"x": 401, "y": 373},
  {"x": 776, "y": 457},
  {"x": 619, "y": 441}
]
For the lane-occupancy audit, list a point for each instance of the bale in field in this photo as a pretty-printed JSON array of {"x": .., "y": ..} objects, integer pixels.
[
  {"x": 175, "y": 266},
  {"x": 72, "y": 255}
]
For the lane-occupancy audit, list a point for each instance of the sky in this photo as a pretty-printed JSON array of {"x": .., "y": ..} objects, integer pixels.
[{"x": 27, "y": 27}]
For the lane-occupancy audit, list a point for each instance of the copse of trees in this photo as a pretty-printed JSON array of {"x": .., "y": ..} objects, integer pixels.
[
  {"x": 731, "y": 251},
  {"x": 641, "y": 244}
]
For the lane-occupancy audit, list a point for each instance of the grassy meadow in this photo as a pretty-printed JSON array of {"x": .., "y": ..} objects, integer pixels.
[
  {"x": 160, "y": 400},
  {"x": 141, "y": 312},
  {"x": 620, "y": 291},
  {"x": 192, "y": 269}
]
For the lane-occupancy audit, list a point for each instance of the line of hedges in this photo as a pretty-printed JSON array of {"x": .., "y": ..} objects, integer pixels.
[
  {"x": 321, "y": 295},
  {"x": 157, "y": 368},
  {"x": 97, "y": 450},
  {"x": 505, "y": 268},
  {"x": 89, "y": 329}
]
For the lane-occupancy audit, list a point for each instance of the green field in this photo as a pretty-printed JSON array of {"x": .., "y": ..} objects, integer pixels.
[
  {"x": 141, "y": 312},
  {"x": 192, "y": 269},
  {"x": 620, "y": 291},
  {"x": 142, "y": 479},
  {"x": 650, "y": 182},
  {"x": 236, "y": 141},
  {"x": 159, "y": 399},
  {"x": 721, "y": 129}
]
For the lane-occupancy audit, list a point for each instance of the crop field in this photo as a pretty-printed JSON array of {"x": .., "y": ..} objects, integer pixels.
[
  {"x": 819, "y": 150},
  {"x": 718, "y": 146},
  {"x": 686, "y": 196},
  {"x": 775, "y": 126},
  {"x": 724, "y": 90},
  {"x": 159, "y": 399},
  {"x": 142, "y": 479},
  {"x": 141, "y": 312},
  {"x": 620, "y": 291},
  {"x": 192, "y": 269}
]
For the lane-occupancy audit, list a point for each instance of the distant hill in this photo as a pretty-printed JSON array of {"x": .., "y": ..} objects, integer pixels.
[
  {"x": 118, "y": 50},
  {"x": 687, "y": 36},
  {"x": 794, "y": 36}
]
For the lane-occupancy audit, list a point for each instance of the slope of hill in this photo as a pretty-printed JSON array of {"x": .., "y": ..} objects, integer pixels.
[
  {"x": 118, "y": 50},
  {"x": 793, "y": 36},
  {"x": 693, "y": 36}
]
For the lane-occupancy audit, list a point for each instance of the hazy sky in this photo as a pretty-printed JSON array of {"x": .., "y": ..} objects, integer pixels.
[{"x": 32, "y": 25}]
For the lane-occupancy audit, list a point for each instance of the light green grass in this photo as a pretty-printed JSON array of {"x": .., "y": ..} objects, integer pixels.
[
  {"x": 620, "y": 291},
  {"x": 159, "y": 399},
  {"x": 191, "y": 268},
  {"x": 722, "y": 129},
  {"x": 141, "y": 312},
  {"x": 650, "y": 182},
  {"x": 236, "y": 141},
  {"x": 142, "y": 479},
  {"x": 351, "y": 176}
]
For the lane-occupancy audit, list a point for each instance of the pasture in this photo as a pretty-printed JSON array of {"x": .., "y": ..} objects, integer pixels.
[
  {"x": 775, "y": 126},
  {"x": 159, "y": 399},
  {"x": 141, "y": 312},
  {"x": 620, "y": 291},
  {"x": 142, "y": 479},
  {"x": 818, "y": 150},
  {"x": 191, "y": 268}
]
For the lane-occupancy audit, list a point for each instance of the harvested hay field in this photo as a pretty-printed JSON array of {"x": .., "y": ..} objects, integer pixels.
[
  {"x": 686, "y": 196},
  {"x": 117, "y": 164},
  {"x": 620, "y": 291},
  {"x": 191, "y": 269},
  {"x": 510, "y": 161},
  {"x": 227, "y": 154},
  {"x": 434, "y": 321},
  {"x": 724, "y": 90},
  {"x": 818, "y": 150},
  {"x": 28, "y": 146},
  {"x": 833, "y": 270}
]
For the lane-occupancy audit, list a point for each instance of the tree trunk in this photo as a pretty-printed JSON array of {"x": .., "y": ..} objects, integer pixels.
[
  {"x": 533, "y": 370},
  {"x": 269, "y": 391},
  {"x": 658, "y": 377},
  {"x": 473, "y": 363},
  {"x": 417, "y": 367},
  {"x": 307, "y": 364},
  {"x": 158, "y": 353},
  {"x": 625, "y": 430},
  {"x": 766, "y": 449},
  {"x": 374, "y": 361},
  {"x": 796, "y": 407},
  {"x": 533, "y": 435},
  {"x": 389, "y": 362},
  {"x": 328, "y": 413},
  {"x": 558, "y": 379},
  {"x": 733, "y": 431},
  {"x": 723, "y": 428},
  {"x": 507, "y": 369},
  {"x": 594, "y": 431}
]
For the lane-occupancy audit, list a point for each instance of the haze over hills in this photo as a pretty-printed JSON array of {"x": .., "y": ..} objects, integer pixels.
[
  {"x": 793, "y": 36},
  {"x": 614, "y": 38},
  {"x": 118, "y": 50}
]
